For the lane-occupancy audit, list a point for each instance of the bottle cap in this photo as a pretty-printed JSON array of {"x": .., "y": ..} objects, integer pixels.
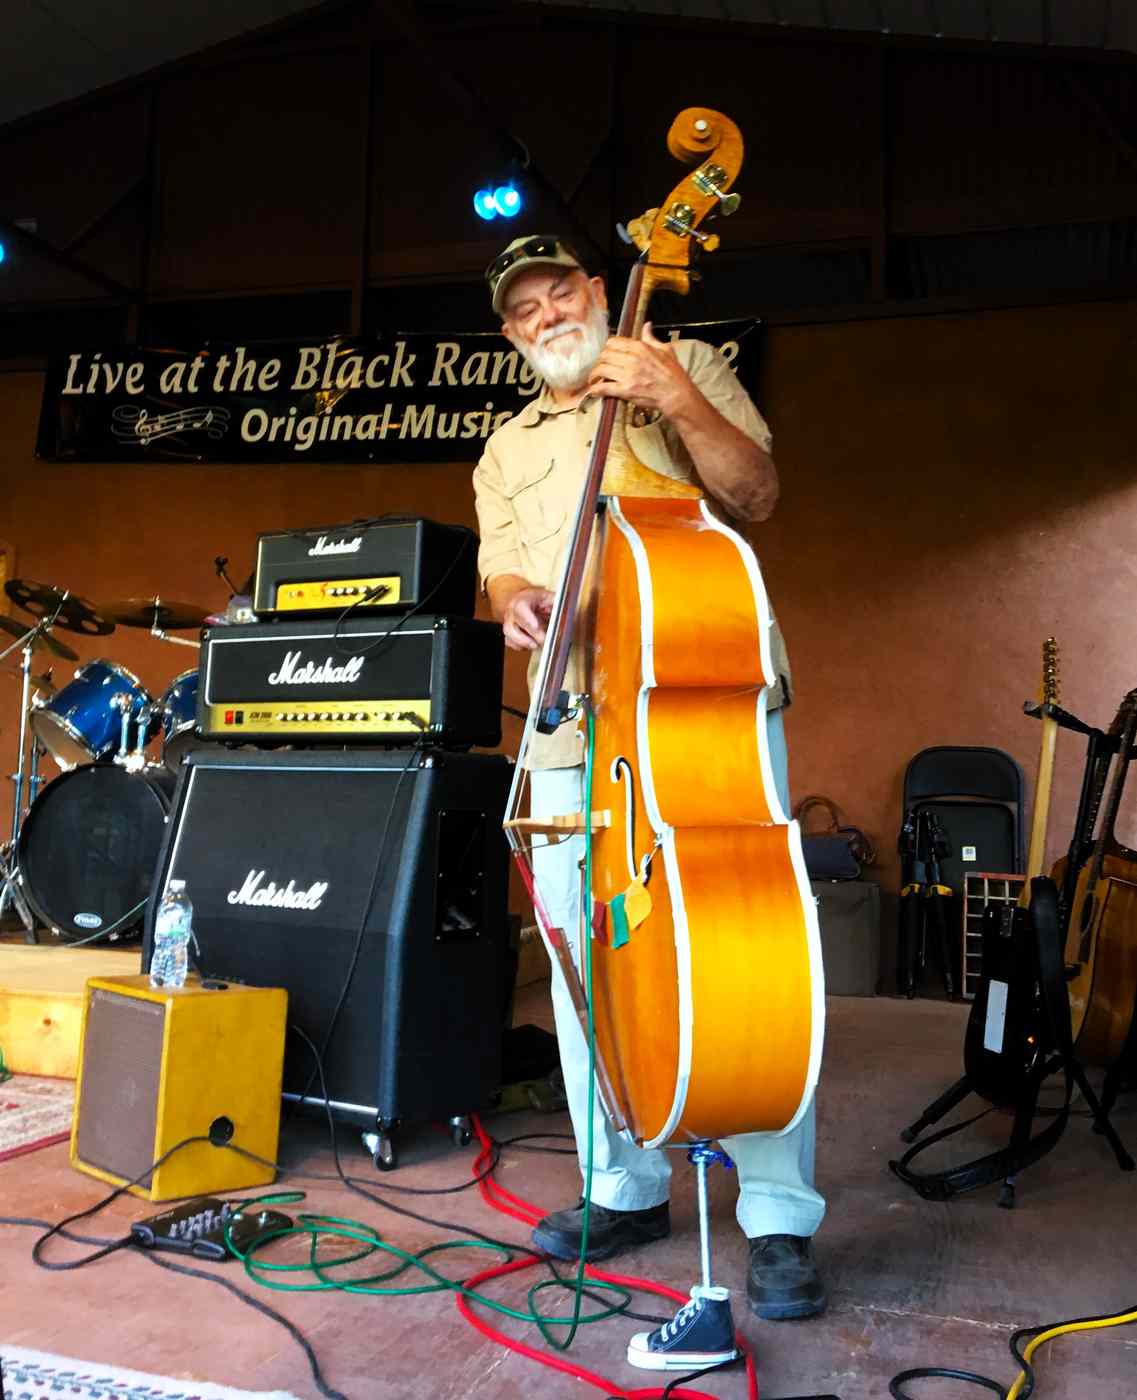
[{"x": 175, "y": 885}]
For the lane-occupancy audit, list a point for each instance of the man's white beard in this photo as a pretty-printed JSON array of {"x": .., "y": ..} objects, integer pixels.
[{"x": 567, "y": 366}]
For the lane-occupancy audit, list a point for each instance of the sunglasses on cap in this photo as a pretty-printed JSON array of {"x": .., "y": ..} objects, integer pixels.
[{"x": 536, "y": 247}]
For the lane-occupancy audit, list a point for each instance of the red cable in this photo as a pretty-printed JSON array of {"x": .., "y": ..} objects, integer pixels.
[{"x": 505, "y": 1201}]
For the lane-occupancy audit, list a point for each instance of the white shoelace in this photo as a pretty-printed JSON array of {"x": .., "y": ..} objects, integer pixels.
[{"x": 688, "y": 1310}]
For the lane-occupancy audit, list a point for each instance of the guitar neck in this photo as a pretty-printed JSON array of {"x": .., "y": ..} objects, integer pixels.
[
  {"x": 1040, "y": 818},
  {"x": 1048, "y": 744}
]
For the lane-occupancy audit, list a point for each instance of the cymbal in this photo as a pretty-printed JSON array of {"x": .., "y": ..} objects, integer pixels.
[
  {"x": 155, "y": 612},
  {"x": 41, "y": 685},
  {"x": 75, "y": 614},
  {"x": 52, "y": 644}
]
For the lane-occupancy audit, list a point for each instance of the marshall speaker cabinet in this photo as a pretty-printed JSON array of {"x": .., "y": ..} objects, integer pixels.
[
  {"x": 372, "y": 887},
  {"x": 365, "y": 680},
  {"x": 389, "y": 565}
]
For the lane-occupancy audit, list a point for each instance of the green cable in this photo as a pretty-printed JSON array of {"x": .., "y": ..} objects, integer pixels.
[
  {"x": 318, "y": 1227},
  {"x": 322, "y": 1227}
]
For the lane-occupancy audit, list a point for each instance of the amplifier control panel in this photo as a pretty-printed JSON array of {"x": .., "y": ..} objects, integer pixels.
[
  {"x": 321, "y": 595},
  {"x": 372, "y": 718}
]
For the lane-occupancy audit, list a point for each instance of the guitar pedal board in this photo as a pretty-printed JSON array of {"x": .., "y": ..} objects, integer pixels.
[{"x": 198, "y": 1227}]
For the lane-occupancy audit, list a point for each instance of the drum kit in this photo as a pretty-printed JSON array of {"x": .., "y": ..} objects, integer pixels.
[{"x": 82, "y": 851}]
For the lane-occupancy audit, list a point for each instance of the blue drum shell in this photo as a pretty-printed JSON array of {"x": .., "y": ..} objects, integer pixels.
[{"x": 82, "y": 722}]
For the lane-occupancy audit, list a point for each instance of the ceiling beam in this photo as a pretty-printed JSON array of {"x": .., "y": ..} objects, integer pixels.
[{"x": 61, "y": 258}]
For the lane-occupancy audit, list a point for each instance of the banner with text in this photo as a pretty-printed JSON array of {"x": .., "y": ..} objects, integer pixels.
[{"x": 420, "y": 397}]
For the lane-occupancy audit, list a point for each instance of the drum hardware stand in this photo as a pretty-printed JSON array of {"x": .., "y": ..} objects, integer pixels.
[
  {"x": 133, "y": 760},
  {"x": 26, "y": 776},
  {"x": 178, "y": 641}
]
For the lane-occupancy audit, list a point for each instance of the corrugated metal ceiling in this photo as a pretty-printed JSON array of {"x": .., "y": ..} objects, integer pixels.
[{"x": 55, "y": 50}]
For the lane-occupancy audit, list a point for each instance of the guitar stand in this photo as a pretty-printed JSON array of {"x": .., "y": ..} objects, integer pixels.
[
  {"x": 1100, "y": 748},
  {"x": 1023, "y": 1149}
]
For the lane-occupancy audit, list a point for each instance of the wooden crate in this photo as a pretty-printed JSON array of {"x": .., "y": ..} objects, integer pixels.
[
  {"x": 980, "y": 888},
  {"x": 41, "y": 1003}
]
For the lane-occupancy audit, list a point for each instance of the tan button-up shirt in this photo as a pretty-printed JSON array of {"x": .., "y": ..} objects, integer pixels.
[{"x": 528, "y": 483}]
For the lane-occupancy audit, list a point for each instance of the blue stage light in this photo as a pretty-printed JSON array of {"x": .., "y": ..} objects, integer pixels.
[
  {"x": 484, "y": 205},
  {"x": 507, "y": 201},
  {"x": 3, "y": 252}
]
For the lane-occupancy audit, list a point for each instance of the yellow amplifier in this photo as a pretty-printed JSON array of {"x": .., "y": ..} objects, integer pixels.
[
  {"x": 157, "y": 1065},
  {"x": 390, "y": 564}
]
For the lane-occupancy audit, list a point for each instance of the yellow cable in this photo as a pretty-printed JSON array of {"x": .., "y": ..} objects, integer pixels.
[{"x": 1116, "y": 1321}]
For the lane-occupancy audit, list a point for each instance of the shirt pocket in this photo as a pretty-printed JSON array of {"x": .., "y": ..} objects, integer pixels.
[{"x": 538, "y": 507}]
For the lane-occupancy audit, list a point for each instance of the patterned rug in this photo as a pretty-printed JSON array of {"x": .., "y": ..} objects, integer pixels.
[
  {"x": 34, "y": 1112},
  {"x": 36, "y": 1375}
]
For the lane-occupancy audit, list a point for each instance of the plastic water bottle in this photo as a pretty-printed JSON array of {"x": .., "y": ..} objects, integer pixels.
[{"x": 173, "y": 929}]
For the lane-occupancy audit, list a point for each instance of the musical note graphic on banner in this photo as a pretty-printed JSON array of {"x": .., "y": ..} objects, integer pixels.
[{"x": 131, "y": 423}]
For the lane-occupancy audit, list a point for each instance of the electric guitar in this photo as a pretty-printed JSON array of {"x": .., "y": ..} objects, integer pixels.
[{"x": 1005, "y": 1031}]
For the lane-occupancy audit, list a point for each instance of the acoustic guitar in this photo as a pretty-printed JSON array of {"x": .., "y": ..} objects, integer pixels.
[{"x": 1101, "y": 941}]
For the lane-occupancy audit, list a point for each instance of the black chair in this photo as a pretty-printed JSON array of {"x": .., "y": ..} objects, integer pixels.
[{"x": 963, "y": 810}]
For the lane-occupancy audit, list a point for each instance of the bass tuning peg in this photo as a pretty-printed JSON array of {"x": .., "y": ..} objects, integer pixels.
[{"x": 710, "y": 181}]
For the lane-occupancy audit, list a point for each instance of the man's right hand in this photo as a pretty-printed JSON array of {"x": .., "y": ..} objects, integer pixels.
[{"x": 525, "y": 618}]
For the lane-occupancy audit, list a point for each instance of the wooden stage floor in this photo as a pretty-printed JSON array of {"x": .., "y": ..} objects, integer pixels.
[{"x": 911, "y": 1283}]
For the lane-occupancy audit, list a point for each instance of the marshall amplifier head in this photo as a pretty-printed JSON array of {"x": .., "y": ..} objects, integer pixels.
[
  {"x": 386, "y": 681},
  {"x": 393, "y": 565},
  {"x": 379, "y": 878}
]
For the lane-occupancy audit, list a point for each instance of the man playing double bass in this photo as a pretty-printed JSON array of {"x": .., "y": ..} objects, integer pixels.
[{"x": 691, "y": 419}]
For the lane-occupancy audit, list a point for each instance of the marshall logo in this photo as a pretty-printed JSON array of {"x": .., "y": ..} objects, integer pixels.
[
  {"x": 326, "y": 546},
  {"x": 312, "y": 673},
  {"x": 272, "y": 896}
]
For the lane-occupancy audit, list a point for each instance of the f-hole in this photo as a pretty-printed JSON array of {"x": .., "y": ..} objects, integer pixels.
[{"x": 621, "y": 771}]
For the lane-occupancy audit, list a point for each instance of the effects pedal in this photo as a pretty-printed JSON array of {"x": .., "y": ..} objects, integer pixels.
[{"x": 198, "y": 1227}]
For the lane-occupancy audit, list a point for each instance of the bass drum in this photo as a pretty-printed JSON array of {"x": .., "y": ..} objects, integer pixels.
[{"x": 89, "y": 847}]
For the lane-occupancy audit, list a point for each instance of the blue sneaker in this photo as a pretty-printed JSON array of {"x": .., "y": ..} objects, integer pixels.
[{"x": 700, "y": 1334}]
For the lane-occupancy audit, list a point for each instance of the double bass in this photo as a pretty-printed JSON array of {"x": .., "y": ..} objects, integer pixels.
[{"x": 706, "y": 983}]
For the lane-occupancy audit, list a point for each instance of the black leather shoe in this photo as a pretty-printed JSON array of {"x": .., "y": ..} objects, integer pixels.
[
  {"x": 783, "y": 1281},
  {"x": 609, "y": 1231}
]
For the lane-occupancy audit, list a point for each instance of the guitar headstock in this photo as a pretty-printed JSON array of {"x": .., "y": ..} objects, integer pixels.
[
  {"x": 1126, "y": 714},
  {"x": 1050, "y": 680},
  {"x": 711, "y": 142}
]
